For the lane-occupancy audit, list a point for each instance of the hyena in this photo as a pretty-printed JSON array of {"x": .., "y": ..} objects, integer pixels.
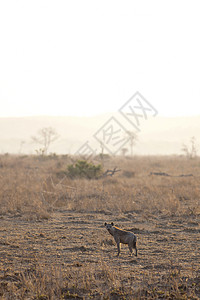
[{"x": 122, "y": 236}]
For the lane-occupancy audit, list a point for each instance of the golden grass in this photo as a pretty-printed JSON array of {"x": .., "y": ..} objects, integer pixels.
[{"x": 54, "y": 245}]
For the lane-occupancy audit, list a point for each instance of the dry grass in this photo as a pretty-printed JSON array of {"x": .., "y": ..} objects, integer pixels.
[{"x": 54, "y": 245}]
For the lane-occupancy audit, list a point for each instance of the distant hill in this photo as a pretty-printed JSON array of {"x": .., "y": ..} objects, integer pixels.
[{"x": 158, "y": 135}]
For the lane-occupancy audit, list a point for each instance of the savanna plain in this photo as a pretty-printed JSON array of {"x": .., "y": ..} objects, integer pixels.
[{"x": 53, "y": 242}]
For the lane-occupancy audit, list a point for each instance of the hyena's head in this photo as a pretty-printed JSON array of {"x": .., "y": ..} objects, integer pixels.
[{"x": 109, "y": 227}]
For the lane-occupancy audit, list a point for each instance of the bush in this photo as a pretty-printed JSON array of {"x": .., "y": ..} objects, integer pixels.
[{"x": 83, "y": 169}]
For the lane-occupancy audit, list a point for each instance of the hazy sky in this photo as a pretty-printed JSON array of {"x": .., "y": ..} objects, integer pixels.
[{"x": 89, "y": 57}]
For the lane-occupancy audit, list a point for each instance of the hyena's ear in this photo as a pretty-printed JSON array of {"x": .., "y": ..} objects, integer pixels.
[
  {"x": 105, "y": 224},
  {"x": 112, "y": 224}
]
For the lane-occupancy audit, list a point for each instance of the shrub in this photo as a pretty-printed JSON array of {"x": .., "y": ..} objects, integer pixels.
[{"x": 83, "y": 169}]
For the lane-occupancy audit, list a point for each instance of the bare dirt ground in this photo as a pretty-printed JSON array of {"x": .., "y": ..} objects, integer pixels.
[
  {"x": 78, "y": 245},
  {"x": 68, "y": 254}
]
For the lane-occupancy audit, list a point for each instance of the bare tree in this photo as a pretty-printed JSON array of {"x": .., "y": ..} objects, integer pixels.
[
  {"x": 102, "y": 148},
  {"x": 124, "y": 151},
  {"x": 21, "y": 146},
  {"x": 46, "y": 136},
  {"x": 191, "y": 149},
  {"x": 132, "y": 139}
]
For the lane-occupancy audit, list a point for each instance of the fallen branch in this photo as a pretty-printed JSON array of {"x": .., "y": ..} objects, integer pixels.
[
  {"x": 111, "y": 172},
  {"x": 159, "y": 173},
  {"x": 165, "y": 174}
]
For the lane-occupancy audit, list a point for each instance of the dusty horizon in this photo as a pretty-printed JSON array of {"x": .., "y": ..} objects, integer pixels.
[{"x": 157, "y": 136}]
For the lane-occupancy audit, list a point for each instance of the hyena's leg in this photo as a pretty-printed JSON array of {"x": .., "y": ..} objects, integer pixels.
[
  {"x": 134, "y": 246},
  {"x": 118, "y": 247},
  {"x": 130, "y": 247}
]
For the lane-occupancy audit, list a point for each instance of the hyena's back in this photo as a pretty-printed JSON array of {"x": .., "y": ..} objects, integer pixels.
[{"x": 125, "y": 237}]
